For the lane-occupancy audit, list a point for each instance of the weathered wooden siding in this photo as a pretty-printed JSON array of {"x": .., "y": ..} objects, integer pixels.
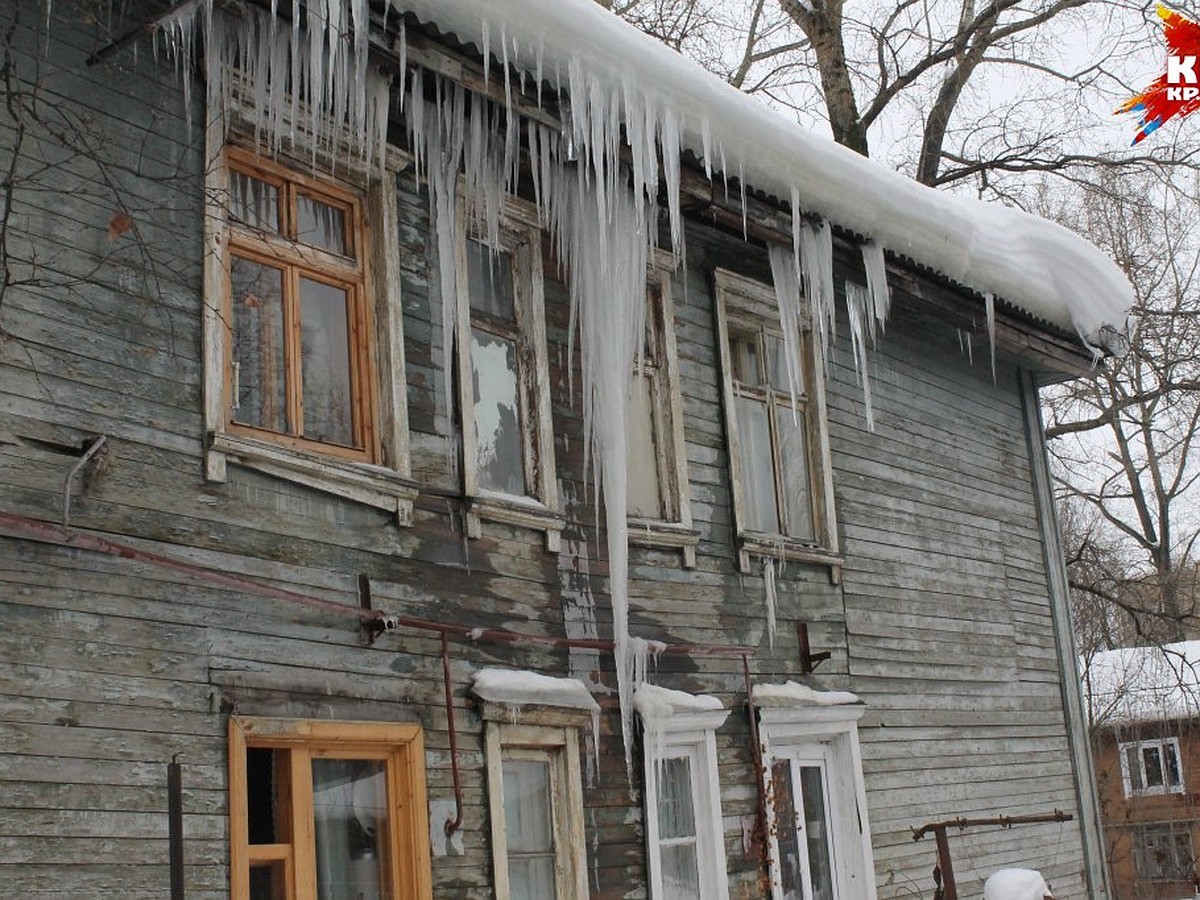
[{"x": 941, "y": 622}]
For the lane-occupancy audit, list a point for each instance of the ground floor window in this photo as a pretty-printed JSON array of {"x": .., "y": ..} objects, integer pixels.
[
  {"x": 533, "y": 726},
  {"x": 327, "y": 810},
  {"x": 818, "y": 836},
  {"x": 1164, "y": 852}
]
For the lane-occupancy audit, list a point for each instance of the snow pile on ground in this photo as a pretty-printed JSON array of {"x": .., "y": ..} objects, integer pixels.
[
  {"x": 1016, "y": 884},
  {"x": 792, "y": 693},
  {"x": 1143, "y": 684}
]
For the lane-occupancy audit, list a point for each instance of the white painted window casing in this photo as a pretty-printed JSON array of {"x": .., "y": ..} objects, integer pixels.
[
  {"x": 813, "y": 772},
  {"x": 779, "y": 457},
  {"x": 504, "y": 380},
  {"x": 535, "y": 804},
  {"x": 685, "y": 849},
  {"x": 1151, "y": 767},
  {"x": 382, "y": 478}
]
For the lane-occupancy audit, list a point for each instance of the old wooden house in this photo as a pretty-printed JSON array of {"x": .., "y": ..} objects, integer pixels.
[
  {"x": 1143, "y": 705},
  {"x": 460, "y": 449}
]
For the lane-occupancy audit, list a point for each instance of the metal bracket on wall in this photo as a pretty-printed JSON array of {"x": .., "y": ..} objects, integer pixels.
[{"x": 808, "y": 660}]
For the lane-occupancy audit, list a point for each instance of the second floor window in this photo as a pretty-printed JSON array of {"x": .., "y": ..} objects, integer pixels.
[
  {"x": 1151, "y": 767},
  {"x": 778, "y": 446},
  {"x": 299, "y": 353},
  {"x": 503, "y": 375}
]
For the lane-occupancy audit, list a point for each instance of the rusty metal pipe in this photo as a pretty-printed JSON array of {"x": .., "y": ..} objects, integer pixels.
[{"x": 452, "y": 825}]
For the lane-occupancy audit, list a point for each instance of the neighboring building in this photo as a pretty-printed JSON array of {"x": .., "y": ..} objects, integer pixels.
[
  {"x": 302, "y": 406},
  {"x": 1145, "y": 709}
]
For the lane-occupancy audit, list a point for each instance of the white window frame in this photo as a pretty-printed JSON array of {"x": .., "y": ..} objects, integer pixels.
[
  {"x": 675, "y": 528},
  {"x": 559, "y": 744},
  {"x": 828, "y": 735},
  {"x": 690, "y": 734},
  {"x": 385, "y": 484},
  {"x": 521, "y": 235},
  {"x": 1163, "y": 745},
  {"x": 743, "y": 301}
]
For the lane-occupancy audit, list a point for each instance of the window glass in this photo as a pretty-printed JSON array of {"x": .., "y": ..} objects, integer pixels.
[
  {"x": 253, "y": 201},
  {"x": 1152, "y": 758},
  {"x": 1134, "y": 764},
  {"x": 325, "y": 363},
  {"x": 350, "y": 812},
  {"x": 677, "y": 829},
  {"x": 758, "y": 474},
  {"x": 816, "y": 831},
  {"x": 319, "y": 224},
  {"x": 529, "y": 829},
  {"x": 1171, "y": 761},
  {"x": 259, "y": 353},
  {"x": 268, "y": 796},
  {"x": 490, "y": 282},
  {"x": 497, "y": 417},
  {"x": 643, "y": 490},
  {"x": 793, "y": 467},
  {"x": 777, "y": 367},
  {"x": 268, "y": 881},
  {"x": 743, "y": 352}
]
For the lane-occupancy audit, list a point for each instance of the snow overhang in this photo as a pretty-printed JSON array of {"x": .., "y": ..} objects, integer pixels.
[
  {"x": 517, "y": 690},
  {"x": 793, "y": 694},
  {"x": 1037, "y": 266}
]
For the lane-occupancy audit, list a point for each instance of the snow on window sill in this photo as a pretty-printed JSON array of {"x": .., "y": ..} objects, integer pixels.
[{"x": 360, "y": 482}]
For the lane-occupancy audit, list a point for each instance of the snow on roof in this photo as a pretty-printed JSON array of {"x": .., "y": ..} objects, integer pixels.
[
  {"x": 792, "y": 693},
  {"x": 519, "y": 688},
  {"x": 1034, "y": 264},
  {"x": 1016, "y": 884},
  {"x": 654, "y": 702},
  {"x": 1143, "y": 684}
]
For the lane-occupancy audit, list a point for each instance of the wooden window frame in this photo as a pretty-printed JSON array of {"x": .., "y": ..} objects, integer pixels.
[
  {"x": 380, "y": 476},
  {"x": 1145, "y": 864},
  {"x": 1163, "y": 745},
  {"x": 400, "y": 746},
  {"x": 828, "y": 733},
  {"x": 743, "y": 304},
  {"x": 295, "y": 260},
  {"x": 520, "y": 235},
  {"x": 675, "y": 529},
  {"x": 690, "y": 734},
  {"x": 559, "y": 745}
]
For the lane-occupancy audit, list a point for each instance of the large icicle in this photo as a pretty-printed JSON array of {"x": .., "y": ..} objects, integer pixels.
[{"x": 858, "y": 301}]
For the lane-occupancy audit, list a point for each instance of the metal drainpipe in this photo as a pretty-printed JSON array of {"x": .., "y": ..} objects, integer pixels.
[{"x": 452, "y": 825}]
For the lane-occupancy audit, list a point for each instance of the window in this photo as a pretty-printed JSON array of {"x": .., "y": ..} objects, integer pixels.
[
  {"x": 660, "y": 513},
  {"x": 778, "y": 446},
  {"x": 1151, "y": 767},
  {"x": 504, "y": 401},
  {"x": 535, "y": 795},
  {"x": 304, "y": 356},
  {"x": 327, "y": 809},
  {"x": 818, "y": 837},
  {"x": 1164, "y": 852},
  {"x": 684, "y": 841},
  {"x": 299, "y": 362}
]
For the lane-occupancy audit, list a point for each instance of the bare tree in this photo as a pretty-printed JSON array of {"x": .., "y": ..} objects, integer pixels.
[
  {"x": 967, "y": 90},
  {"x": 1125, "y": 443}
]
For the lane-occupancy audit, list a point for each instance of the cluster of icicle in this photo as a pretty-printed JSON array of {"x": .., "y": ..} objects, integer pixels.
[
  {"x": 288, "y": 80},
  {"x": 601, "y": 211}
]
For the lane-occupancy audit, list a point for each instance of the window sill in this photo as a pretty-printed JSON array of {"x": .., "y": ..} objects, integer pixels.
[
  {"x": 774, "y": 546},
  {"x": 360, "y": 482},
  {"x": 668, "y": 535},
  {"x": 520, "y": 511}
]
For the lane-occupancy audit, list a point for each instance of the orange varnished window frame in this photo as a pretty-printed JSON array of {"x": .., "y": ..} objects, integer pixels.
[
  {"x": 400, "y": 745},
  {"x": 280, "y": 251}
]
